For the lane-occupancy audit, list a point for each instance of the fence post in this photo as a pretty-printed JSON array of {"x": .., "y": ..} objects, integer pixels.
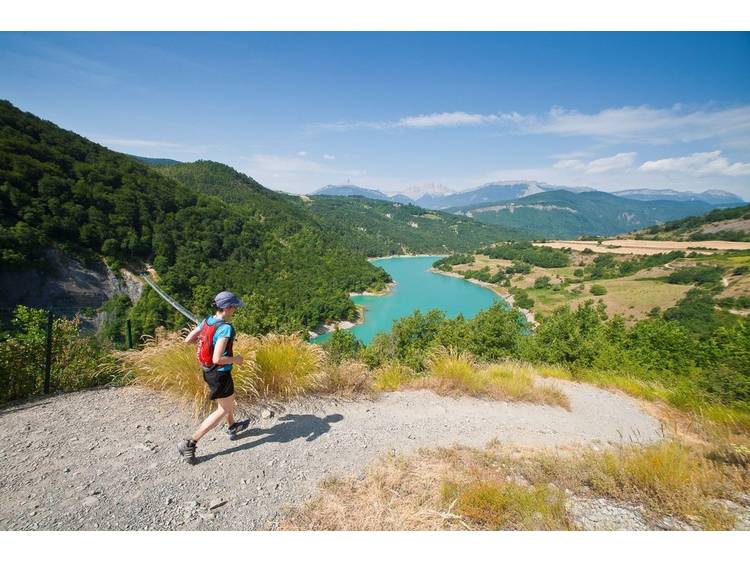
[
  {"x": 48, "y": 356},
  {"x": 129, "y": 333}
]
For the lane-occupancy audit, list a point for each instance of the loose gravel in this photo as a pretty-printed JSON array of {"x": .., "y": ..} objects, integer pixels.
[{"x": 106, "y": 458}]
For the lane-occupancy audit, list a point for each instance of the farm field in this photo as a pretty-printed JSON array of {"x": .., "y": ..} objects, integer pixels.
[
  {"x": 632, "y": 296},
  {"x": 646, "y": 247}
]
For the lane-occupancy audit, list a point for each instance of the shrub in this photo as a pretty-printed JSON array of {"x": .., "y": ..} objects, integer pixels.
[
  {"x": 495, "y": 333},
  {"x": 78, "y": 361},
  {"x": 598, "y": 290},
  {"x": 342, "y": 344},
  {"x": 700, "y": 275},
  {"x": 541, "y": 282}
]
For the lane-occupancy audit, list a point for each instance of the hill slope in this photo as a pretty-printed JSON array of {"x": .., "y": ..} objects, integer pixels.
[
  {"x": 380, "y": 228},
  {"x": 711, "y": 196},
  {"x": 60, "y": 189},
  {"x": 563, "y": 214},
  {"x": 720, "y": 224}
]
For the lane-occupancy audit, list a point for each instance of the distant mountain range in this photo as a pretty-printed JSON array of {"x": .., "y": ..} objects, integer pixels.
[
  {"x": 712, "y": 196},
  {"x": 564, "y": 214},
  {"x": 500, "y": 192}
]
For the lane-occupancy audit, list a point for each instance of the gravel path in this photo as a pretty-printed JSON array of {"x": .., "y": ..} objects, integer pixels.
[{"x": 106, "y": 458}]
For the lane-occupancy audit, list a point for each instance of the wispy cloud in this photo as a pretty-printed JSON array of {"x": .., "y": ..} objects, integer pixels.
[
  {"x": 329, "y": 157},
  {"x": 600, "y": 165},
  {"x": 642, "y": 124},
  {"x": 302, "y": 153},
  {"x": 426, "y": 121},
  {"x": 274, "y": 163},
  {"x": 698, "y": 164},
  {"x": 129, "y": 144}
]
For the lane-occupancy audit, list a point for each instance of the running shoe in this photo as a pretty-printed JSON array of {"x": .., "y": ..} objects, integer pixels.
[
  {"x": 186, "y": 448},
  {"x": 234, "y": 429}
]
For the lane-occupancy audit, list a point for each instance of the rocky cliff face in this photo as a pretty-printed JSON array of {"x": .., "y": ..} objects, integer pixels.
[{"x": 66, "y": 286}]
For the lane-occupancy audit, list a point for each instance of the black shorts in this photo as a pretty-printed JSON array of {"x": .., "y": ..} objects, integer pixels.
[{"x": 219, "y": 382}]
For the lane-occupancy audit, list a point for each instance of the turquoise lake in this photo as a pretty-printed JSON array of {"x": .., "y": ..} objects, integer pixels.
[{"x": 417, "y": 289}]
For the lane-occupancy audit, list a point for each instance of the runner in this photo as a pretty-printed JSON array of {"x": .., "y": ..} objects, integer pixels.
[{"x": 215, "y": 336}]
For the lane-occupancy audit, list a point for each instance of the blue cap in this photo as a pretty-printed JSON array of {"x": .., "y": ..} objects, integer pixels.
[{"x": 225, "y": 299}]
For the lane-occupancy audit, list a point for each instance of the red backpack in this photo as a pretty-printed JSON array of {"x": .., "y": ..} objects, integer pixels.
[{"x": 204, "y": 351}]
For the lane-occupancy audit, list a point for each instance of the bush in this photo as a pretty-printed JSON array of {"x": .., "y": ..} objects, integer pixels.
[
  {"x": 598, "y": 290},
  {"x": 521, "y": 298},
  {"x": 542, "y": 282},
  {"x": 700, "y": 275},
  {"x": 495, "y": 333},
  {"x": 78, "y": 361},
  {"x": 342, "y": 344}
]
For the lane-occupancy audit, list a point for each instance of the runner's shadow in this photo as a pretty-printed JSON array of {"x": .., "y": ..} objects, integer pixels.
[{"x": 294, "y": 426}]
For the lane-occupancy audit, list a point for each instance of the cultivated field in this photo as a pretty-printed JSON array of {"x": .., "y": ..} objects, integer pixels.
[{"x": 646, "y": 247}]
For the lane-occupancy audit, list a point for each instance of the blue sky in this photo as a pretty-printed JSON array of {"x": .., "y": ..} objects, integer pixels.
[{"x": 398, "y": 111}]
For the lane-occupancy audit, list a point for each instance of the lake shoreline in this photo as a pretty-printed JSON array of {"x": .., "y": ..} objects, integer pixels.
[
  {"x": 408, "y": 256},
  {"x": 322, "y": 329},
  {"x": 495, "y": 289}
]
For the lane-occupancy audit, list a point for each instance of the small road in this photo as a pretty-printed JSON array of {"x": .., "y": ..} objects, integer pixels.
[{"x": 106, "y": 458}]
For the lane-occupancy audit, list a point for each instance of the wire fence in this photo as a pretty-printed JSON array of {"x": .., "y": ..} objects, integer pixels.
[{"x": 106, "y": 327}]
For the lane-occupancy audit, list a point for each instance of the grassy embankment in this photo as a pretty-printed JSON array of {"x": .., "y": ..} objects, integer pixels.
[
  {"x": 497, "y": 488},
  {"x": 283, "y": 367}
]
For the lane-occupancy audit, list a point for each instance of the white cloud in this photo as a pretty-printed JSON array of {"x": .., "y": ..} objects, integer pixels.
[
  {"x": 427, "y": 121},
  {"x": 296, "y": 174},
  {"x": 147, "y": 144},
  {"x": 302, "y": 153},
  {"x": 329, "y": 157},
  {"x": 600, "y": 165},
  {"x": 698, "y": 164},
  {"x": 624, "y": 124},
  {"x": 644, "y": 124}
]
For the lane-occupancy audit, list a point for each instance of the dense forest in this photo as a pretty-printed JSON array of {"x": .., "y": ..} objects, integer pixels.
[
  {"x": 58, "y": 188},
  {"x": 380, "y": 228},
  {"x": 372, "y": 227}
]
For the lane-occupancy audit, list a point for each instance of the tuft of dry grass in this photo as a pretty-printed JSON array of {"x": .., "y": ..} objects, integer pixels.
[
  {"x": 392, "y": 376},
  {"x": 500, "y": 505},
  {"x": 497, "y": 488},
  {"x": 456, "y": 373},
  {"x": 668, "y": 478},
  {"x": 348, "y": 378},
  {"x": 286, "y": 365},
  {"x": 166, "y": 363}
]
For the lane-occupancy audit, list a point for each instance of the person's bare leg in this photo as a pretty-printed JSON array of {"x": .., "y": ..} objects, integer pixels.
[
  {"x": 229, "y": 408},
  {"x": 222, "y": 405}
]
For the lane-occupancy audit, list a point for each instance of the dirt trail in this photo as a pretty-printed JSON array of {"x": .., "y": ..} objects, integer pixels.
[{"x": 106, "y": 459}]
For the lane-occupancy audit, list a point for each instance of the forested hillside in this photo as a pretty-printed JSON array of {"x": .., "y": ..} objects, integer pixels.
[
  {"x": 372, "y": 227},
  {"x": 59, "y": 189},
  {"x": 720, "y": 224},
  {"x": 380, "y": 228},
  {"x": 563, "y": 214}
]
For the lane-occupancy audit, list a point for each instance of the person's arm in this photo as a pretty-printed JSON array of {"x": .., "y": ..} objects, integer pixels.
[
  {"x": 191, "y": 337},
  {"x": 219, "y": 357}
]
